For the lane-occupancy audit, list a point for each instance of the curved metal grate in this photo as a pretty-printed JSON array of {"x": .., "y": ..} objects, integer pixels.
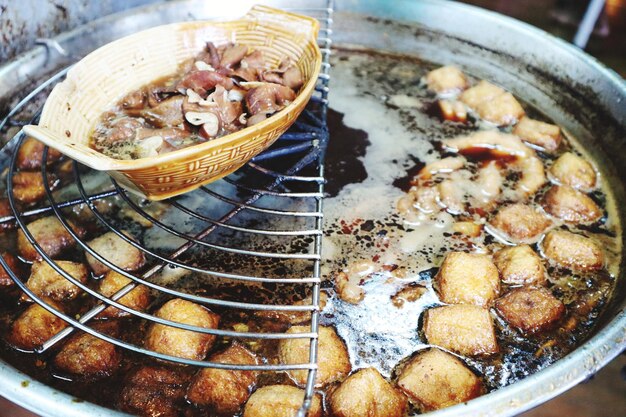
[{"x": 265, "y": 208}]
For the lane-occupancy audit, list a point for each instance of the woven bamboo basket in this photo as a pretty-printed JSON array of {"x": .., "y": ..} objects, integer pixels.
[{"x": 103, "y": 77}]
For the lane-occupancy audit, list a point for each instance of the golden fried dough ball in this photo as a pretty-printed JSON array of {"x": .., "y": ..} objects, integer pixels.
[
  {"x": 333, "y": 359},
  {"x": 30, "y": 154},
  {"x": 50, "y": 234},
  {"x": 448, "y": 79},
  {"x": 461, "y": 328},
  {"x": 520, "y": 223},
  {"x": 138, "y": 298},
  {"x": 530, "y": 310},
  {"x": 35, "y": 326},
  {"x": 90, "y": 357},
  {"x": 467, "y": 278},
  {"x": 222, "y": 390},
  {"x": 292, "y": 317},
  {"x": 570, "y": 169},
  {"x": 44, "y": 281},
  {"x": 573, "y": 251},
  {"x": 28, "y": 187},
  {"x": 501, "y": 110},
  {"x": 483, "y": 91},
  {"x": 117, "y": 251},
  {"x": 153, "y": 392},
  {"x": 280, "y": 401},
  {"x": 434, "y": 379},
  {"x": 179, "y": 342},
  {"x": 544, "y": 135},
  {"x": 367, "y": 393},
  {"x": 520, "y": 265},
  {"x": 571, "y": 205}
]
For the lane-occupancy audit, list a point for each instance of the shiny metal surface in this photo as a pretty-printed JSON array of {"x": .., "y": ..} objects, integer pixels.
[{"x": 573, "y": 88}]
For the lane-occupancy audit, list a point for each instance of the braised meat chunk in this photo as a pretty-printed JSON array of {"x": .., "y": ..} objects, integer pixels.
[
  {"x": 448, "y": 79},
  {"x": 46, "y": 282},
  {"x": 30, "y": 154},
  {"x": 5, "y": 211},
  {"x": 481, "y": 92},
  {"x": 222, "y": 390},
  {"x": 366, "y": 393},
  {"x": 434, "y": 379},
  {"x": 220, "y": 91},
  {"x": 178, "y": 342},
  {"x": 280, "y": 401},
  {"x": 543, "y": 135},
  {"x": 570, "y": 205},
  {"x": 117, "y": 251},
  {"x": 467, "y": 278},
  {"x": 570, "y": 169},
  {"x": 573, "y": 251},
  {"x": 333, "y": 359},
  {"x": 35, "y": 326},
  {"x": 465, "y": 329},
  {"x": 530, "y": 310},
  {"x": 520, "y": 265},
  {"x": 520, "y": 223},
  {"x": 89, "y": 357},
  {"x": 138, "y": 298},
  {"x": 50, "y": 234},
  {"x": 153, "y": 392}
]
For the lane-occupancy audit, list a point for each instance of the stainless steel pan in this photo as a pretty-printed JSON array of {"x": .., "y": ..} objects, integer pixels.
[{"x": 571, "y": 87}]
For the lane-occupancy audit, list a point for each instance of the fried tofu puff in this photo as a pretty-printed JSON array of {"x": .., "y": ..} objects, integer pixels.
[
  {"x": 520, "y": 265},
  {"x": 178, "y": 342},
  {"x": 44, "y": 281},
  {"x": 153, "y": 392},
  {"x": 333, "y": 359},
  {"x": 573, "y": 251},
  {"x": 115, "y": 250},
  {"x": 467, "y": 278},
  {"x": 493, "y": 104},
  {"x": 50, "y": 234},
  {"x": 461, "y": 328},
  {"x": 280, "y": 401},
  {"x": 544, "y": 135},
  {"x": 292, "y": 317},
  {"x": 367, "y": 393},
  {"x": 30, "y": 154},
  {"x": 520, "y": 223},
  {"x": 223, "y": 390},
  {"x": 570, "y": 169},
  {"x": 35, "y": 326},
  {"x": 530, "y": 310},
  {"x": 5, "y": 278},
  {"x": 570, "y": 205},
  {"x": 89, "y": 357},
  {"x": 434, "y": 379},
  {"x": 28, "y": 187},
  {"x": 448, "y": 79},
  {"x": 138, "y": 298}
]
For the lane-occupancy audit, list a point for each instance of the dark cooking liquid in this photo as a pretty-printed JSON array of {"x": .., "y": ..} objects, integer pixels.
[{"x": 383, "y": 129}]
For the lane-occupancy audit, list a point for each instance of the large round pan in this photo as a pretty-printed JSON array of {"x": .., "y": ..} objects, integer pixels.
[{"x": 571, "y": 87}]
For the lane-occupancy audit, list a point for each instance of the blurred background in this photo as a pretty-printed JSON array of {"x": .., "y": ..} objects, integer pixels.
[{"x": 605, "y": 394}]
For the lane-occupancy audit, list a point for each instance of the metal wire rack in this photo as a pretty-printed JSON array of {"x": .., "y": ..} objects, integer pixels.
[{"x": 276, "y": 197}]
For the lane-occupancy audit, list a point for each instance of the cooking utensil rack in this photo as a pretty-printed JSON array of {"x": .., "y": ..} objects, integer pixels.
[{"x": 303, "y": 147}]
